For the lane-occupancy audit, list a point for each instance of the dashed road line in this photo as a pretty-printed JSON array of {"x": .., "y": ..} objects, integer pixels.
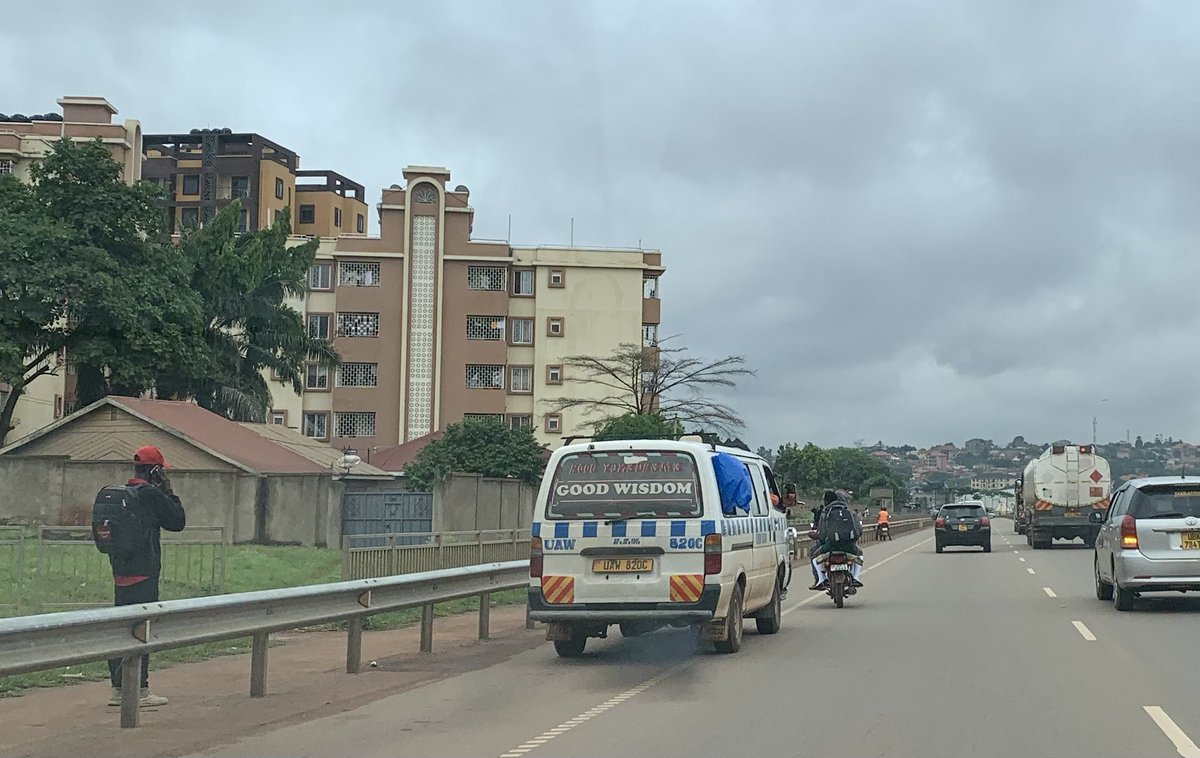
[
  {"x": 1022, "y": 560},
  {"x": 1183, "y": 744},
  {"x": 1031, "y": 571},
  {"x": 1049, "y": 591},
  {"x": 1084, "y": 631},
  {"x": 520, "y": 750}
]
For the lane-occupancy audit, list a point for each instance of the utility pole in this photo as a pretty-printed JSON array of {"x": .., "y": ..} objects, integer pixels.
[{"x": 1093, "y": 431}]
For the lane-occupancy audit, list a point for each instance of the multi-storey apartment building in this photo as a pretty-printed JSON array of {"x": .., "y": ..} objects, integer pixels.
[
  {"x": 434, "y": 326},
  {"x": 24, "y": 141},
  {"x": 206, "y": 169}
]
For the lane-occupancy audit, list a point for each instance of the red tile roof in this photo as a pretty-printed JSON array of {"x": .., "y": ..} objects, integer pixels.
[{"x": 396, "y": 458}]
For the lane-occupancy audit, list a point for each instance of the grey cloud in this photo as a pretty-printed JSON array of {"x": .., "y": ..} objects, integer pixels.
[{"x": 919, "y": 221}]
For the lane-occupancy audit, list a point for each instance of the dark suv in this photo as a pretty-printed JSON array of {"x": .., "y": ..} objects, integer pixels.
[{"x": 965, "y": 524}]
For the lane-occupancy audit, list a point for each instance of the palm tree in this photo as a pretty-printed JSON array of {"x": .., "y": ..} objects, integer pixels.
[{"x": 245, "y": 281}]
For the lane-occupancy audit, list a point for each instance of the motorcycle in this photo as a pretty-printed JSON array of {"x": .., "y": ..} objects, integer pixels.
[
  {"x": 838, "y": 568},
  {"x": 882, "y": 532}
]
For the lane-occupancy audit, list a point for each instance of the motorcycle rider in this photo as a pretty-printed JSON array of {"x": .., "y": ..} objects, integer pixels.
[
  {"x": 884, "y": 518},
  {"x": 834, "y": 500}
]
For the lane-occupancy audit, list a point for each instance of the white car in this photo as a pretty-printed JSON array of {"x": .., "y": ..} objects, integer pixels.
[{"x": 651, "y": 533}]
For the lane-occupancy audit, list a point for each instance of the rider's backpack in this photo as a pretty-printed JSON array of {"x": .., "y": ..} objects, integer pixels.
[
  {"x": 119, "y": 525},
  {"x": 838, "y": 525}
]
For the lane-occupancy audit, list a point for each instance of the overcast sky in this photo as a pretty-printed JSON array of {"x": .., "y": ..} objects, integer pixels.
[{"x": 919, "y": 221}]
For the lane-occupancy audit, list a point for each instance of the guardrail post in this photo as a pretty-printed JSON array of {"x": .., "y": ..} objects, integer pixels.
[
  {"x": 131, "y": 680},
  {"x": 354, "y": 646},
  {"x": 427, "y": 628},
  {"x": 258, "y": 665},
  {"x": 485, "y": 615}
]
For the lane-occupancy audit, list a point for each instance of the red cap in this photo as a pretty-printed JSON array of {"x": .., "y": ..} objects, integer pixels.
[{"x": 149, "y": 455}]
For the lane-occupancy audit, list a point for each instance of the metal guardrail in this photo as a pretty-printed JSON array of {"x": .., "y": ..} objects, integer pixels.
[
  {"x": 372, "y": 555},
  {"x": 47, "y": 641}
]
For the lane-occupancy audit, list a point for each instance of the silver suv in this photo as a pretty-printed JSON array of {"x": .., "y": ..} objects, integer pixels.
[{"x": 1150, "y": 540}]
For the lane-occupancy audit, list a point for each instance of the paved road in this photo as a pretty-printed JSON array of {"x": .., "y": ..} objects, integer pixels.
[{"x": 991, "y": 665}]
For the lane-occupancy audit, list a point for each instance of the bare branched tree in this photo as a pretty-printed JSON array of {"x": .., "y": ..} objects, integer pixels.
[{"x": 663, "y": 380}]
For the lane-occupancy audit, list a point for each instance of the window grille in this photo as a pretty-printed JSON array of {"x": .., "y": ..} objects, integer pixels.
[
  {"x": 358, "y": 374},
  {"x": 485, "y": 327},
  {"x": 356, "y": 424},
  {"x": 358, "y": 274},
  {"x": 490, "y": 278},
  {"x": 358, "y": 325},
  {"x": 485, "y": 377}
]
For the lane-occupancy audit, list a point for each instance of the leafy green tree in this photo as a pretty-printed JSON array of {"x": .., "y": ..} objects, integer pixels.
[
  {"x": 244, "y": 281},
  {"x": 482, "y": 447},
  {"x": 638, "y": 426},
  {"x": 807, "y": 467},
  {"x": 87, "y": 271},
  {"x": 666, "y": 381}
]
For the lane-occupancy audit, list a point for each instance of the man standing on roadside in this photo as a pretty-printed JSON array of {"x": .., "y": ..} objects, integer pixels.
[{"x": 136, "y": 572}]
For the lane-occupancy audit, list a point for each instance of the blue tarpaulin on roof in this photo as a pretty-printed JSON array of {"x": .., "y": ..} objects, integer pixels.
[{"x": 733, "y": 482}]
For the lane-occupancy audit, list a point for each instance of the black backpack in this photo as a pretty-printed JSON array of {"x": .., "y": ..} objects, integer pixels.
[
  {"x": 838, "y": 525},
  {"x": 119, "y": 525}
]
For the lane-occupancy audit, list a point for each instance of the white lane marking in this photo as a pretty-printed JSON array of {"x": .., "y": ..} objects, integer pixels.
[
  {"x": 570, "y": 724},
  {"x": 1084, "y": 631},
  {"x": 1183, "y": 744},
  {"x": 1022, "y": 560},
  {"x": 1031, "y": 571},
  {"x": 1016, "y": 551},
  {"x": 1049, "y": 591}
]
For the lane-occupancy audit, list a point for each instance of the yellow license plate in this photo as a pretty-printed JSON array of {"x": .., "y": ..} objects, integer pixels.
[
  {"x": 1190, "y": 540},
  {"x": 962, "y": 527},
  {"x": 1072, "y": 514},
  {"x": 622, "y": 565}
]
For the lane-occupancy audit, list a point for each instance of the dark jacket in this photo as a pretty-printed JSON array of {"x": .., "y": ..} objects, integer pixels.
[{"x": 162, "y": 510}]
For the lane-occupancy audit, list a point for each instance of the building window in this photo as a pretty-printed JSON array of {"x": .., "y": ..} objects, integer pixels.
[
  {"x": 308, "y": 214},
  {"x": 58, "y": 406},
  {"x": 482, "y": 377},
  {"x": 189, "y": 218},
  {"x": 316, "y": 425},
  {"x": 554, "y": 375},
  {"x": 320, "y": 276},
  {"x": 279, "y": 418},
  {"x": 493, "y": 418},
  {"x": 316, "y": 376},
  {"x": 425, "y": 194},
  {"x": 356, "y": 424},
  {"x": 358, "y": 325},
  {"x": 278, "y": 188},
  {"x": 523, "y": 281},
  {"x": 491, "y": 278},
  {"x": 243, "y": 220},
  {"x": 318, "y": 326},
  {"x": 555, "y": 326},
  {"x": 191, "y": 184},
  {"x": 361, "y": 224},
  {"x": 358, "y": 375},
  {"x": 6, "y": 166},
  {"x": 485, "y": 327},
  {"x": 239, "y": 187},
  {"x": 553, "y": 423},
  {"x": 649, "y": 335},
  {"x": 520, "y": 421},
  {"x": 522, "y": 331},
  {"x": 650, "y": 288},
  {"x": 337, "y": 217},
  {"x": 558, "y": 278},
  {"x": 356, "y": 274},
  {"x": 520, "y": 380}
]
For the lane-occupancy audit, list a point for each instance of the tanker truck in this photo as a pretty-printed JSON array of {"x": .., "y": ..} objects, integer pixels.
[{"x": 1060, "y": 490}]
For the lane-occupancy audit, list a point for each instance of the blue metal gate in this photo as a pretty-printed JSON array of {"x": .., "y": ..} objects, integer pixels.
[{"x": 387, "y": 513}]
